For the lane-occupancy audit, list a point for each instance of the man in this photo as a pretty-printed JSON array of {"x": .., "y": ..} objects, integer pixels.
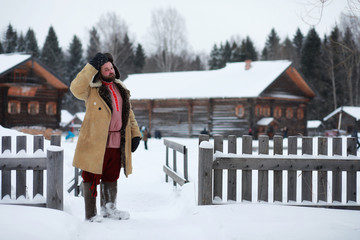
[{"x": 108, "y": 135}]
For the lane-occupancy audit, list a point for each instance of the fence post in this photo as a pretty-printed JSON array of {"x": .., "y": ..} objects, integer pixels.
[
  {"x": 218, "y": 173},
  {"x": 322, "y": 175},
  {"x": 6, "y": 174},
  {"x": 203, "y": 137},
  {"x": 231, "y": 172},
  {"x": 20, "y": 174},
  {"x": 205, "y": 175},
  {"x": 263, "y": 181},
  {"x": 167, "y": 162},
  {"x": 55, "y": 159},
  {"x": 55, "y": 140},
  {"x": 246, "y": 174},
  {"x": 38, "y": 175},
  {"x": 278, "y": 180},
  {"x": 292, "y": 178},
  {"x": 306, "y": 176},
  {"x": 337, "y": 175},
  {"x": 351, "y": 175},
  {"x": 174, "y": 164}
]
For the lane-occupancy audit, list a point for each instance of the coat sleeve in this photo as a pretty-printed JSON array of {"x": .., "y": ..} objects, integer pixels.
[
  {"x": 135, "y": 131},
  {"x": 80, "y": 86}
]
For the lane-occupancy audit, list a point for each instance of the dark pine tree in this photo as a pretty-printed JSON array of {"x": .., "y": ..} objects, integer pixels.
[
  {"x": 10, "y": 43},
  {"x": 1, "y": 48},
  {"x": 288, "y": 50},
  {"x": 94, "y": 44},
  {"x": 52, "y": 55},
  {"x": 139, "y": 60},
  {"x": 31, "y": 45},
  {"x": 21, "y": 43},
  {"x": 226, "y": 52},
  {"x": 126, "y": 58},
  {"x": 248, "y": 51},
  {"x": 216, "y": 60},
  {"x": 298, "y": 41},
  {"x": 273, "y": 46},
  {"x": 235, "y": 53}
]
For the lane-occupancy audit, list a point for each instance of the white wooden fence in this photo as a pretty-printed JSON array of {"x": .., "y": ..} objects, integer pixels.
[
  {"x": 52, "y": 161},
  {"x": 305, "y": 164}
]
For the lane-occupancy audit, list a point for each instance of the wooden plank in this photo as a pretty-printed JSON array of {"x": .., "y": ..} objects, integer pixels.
[
  {"x": 246, "y": 174},
  {"x": 306, "y": 176},
  {"x": 337, "y": 174},
  {"x": 218, "y": 173},
  {"x": 292, "y": 178},
  {"x": 22, "y": 164},
  {"x": 5, "y": 174},
  {"x": 278, "y": 180},
  {"x": 231, "y": 193},
  {"x": 55, "y": 179},
  {"x": 174, "y": 175},
  {"x": 20, "y": 174},
  {"x": 174, "y": 164},
  {"x": 205, "y": 176},
  {"x": 38, "y": 175},
  {"x": 322, "y": 175},
  {"x": 351, "y": 175},
  {"x": 263, "y": 181},
  {"x": 174, "y": 145}
]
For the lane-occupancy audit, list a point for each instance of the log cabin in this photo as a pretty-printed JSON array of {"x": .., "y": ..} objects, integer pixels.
[
  {"x": 345, "y": 118},
  {"x": 232, "y": 100},
  {"x": 30, "y": 94}
]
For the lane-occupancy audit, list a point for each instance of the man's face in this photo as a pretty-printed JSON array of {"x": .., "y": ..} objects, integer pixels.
[{"x": 107, "y": 72}]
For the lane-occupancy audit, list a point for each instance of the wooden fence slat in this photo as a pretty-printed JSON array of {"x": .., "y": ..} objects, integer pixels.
[
  {"x": 278, "y": 180},
  {"x": 292, "y": 178},
  {"x": 205, "y": 176},
  {"x": 246, "y": 181},
  {"x": 337, "y": 174},
  {"x": 20, "y": 174},
  {"x": 322, "y": 175},
  {"x": 6, "y": 174},
  {"x": 174, "y": 165},
  {"x": 351, "y": 175},
  {"x": 263, "y": 182},
  {"x": 218, "y": 173},
  {"x": 232, "y": 172},
  {"x": 55, "y": 179},
  {"x": 306, "y": 176},
  {"x": 38, "y": 175}
]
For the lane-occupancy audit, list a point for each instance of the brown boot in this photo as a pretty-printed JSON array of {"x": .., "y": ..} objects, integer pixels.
[
  {"x": 90, "y": 202},
  {"x": 108, "y": 192}
]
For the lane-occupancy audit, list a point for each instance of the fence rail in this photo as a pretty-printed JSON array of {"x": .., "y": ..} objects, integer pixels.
[
  {"x": 323, "y": 165},
  {"x": 172, "y": 172},
  {"x": 52, "y": 161}
]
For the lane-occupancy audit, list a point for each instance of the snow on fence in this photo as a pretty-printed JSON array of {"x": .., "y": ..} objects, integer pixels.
[
  {"x": 38, "y": 161},
  {"x": 172, "y": 172},
  {"x": 321, "y": 181}
]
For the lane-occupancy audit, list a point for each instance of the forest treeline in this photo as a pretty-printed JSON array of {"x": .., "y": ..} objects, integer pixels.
[{"x": 330, "y": 64}]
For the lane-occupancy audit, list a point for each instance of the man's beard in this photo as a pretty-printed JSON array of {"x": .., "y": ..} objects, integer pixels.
[{"x": 110, "y": 78}]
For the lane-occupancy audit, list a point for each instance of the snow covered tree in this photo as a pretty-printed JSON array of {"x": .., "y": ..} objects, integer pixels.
[
  {"x": 10, "y": 43},
  {"x": 94, "y": 45},
  {"x": 31, "y": 45},
  {"x": 52, "y": 55}
]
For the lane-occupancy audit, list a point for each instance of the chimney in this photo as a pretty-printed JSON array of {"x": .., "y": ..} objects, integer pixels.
[{"x": 247, "y": 64}]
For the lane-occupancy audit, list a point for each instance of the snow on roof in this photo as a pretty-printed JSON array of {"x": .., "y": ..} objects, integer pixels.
[
  {"x": 10, "y": 60},
  {"x": 265, "y": 121},
  {"x": 230, "y": 81},
  {"x": 352, "y": 111},
  {"x": 66, "y": 117},
  {"x": 313, "y": 124},
  {"x": 80, "y": 115}
]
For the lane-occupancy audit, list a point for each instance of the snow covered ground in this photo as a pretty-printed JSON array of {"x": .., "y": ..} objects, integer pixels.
[{"x": 160, "y": 211}]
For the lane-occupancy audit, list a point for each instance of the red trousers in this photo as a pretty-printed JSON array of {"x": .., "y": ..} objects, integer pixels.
[{"x": 111, "y": 168}]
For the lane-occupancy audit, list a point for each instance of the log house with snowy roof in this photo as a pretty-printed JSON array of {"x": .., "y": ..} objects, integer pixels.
[
  {"x": 226, "y": 101},
  {"x": 30, "y": 95}
]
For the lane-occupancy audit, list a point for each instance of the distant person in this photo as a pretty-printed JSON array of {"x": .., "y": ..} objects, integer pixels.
[
  {"x": 70, "y": 135},
  {"x": 145, "y": 135},
  {"x": 285, "y": 132},
  {"x": 250, "y": 132},
  {"x": 354, "y": 134},
  {"x": 204, "y": 131}
]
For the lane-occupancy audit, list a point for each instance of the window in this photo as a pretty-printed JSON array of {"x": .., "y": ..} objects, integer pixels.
[
  {"x": 258, "y": 110},
  {"x": 266, "y": 111},
  {"x": 239, "y": 110},
  {"x": 13, "y": 107},
  {"x": 51, "y": 108},
  {"x": 277, "y": 112},
  {"x": 289, "y": 113},
  {"x": 300, "y": 113},
  {"x": 33, "y": 108},
  {"x": 19, "y": 75}
]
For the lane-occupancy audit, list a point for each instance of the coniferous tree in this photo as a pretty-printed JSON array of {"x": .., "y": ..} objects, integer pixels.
[
  {"x": 94, "y": 44},
  {"x": 1, "y": 48},
  {"x": 298, "y": 43},
  {"x": 235, "y": 53},
  {"x": 126, "y": 58},
  {"x": 226, "y": 52},
  {"x": 287, "y": 50},
  {"x": 248, "y": 51},
  {"x": 10, "y": 43},
  {"x": 139, "y": 60},
  {"x": 216, "y": 60},
  {"x": 272, "y": 46},
  {"x": 31, "y": 45},
  {"x": 21, "y": 43},
  {"x": 52, "y": 55}
]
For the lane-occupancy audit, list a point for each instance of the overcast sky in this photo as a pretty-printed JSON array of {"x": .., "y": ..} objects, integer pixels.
[{"x": 207, "y": 21}]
